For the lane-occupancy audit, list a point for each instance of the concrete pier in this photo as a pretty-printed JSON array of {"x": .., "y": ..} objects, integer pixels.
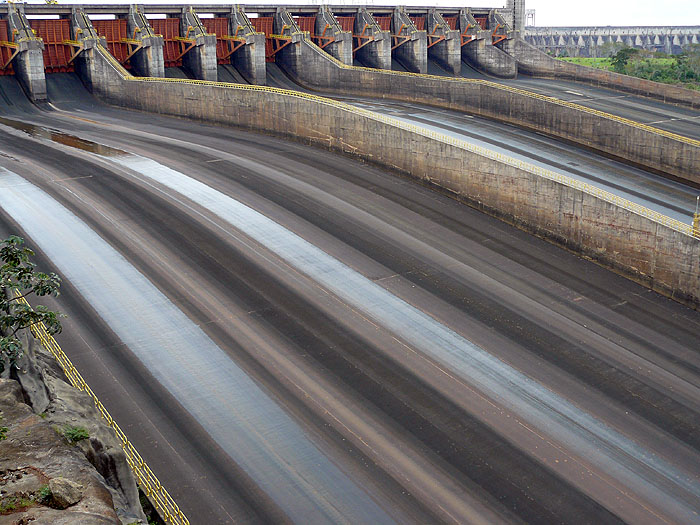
[
  {"x": 327, "y": 25},
  {"x": 29, "y": 62},
  {"x": 148, "y": 60},
  {"x": 481, "y": 54},
  {"x": 447, "y": 51},
  {"x": 376, "y": 53},
  {"x": 249, "y": 60},
  {"x": 411, "y": 54},
  {"x": 84, "y": 33},
  {"x": 201, "y": 59}
]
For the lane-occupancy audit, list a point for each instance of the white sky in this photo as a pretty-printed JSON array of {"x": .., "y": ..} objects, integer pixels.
[{"x": 548, "y": 12}]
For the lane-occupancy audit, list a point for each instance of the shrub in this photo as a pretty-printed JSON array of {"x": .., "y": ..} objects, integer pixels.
[{"x": 74, "y": 433}]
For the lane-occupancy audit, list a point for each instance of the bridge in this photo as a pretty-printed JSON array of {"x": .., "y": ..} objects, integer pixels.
[
  {"x": 587, "y": 41},
  {"x": 364, "y": 264}
]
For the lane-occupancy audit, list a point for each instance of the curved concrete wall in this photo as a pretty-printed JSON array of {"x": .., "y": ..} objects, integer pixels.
[
  {"x": 664, "y": 152},
  {"x": 532, "y": 61},
  {"x": 567, "y": 212}
]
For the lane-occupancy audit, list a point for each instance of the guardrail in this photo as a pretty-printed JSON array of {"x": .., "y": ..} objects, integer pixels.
[
  {"x": 147, "y": 480},
  {"x": 621, "y": 202}
]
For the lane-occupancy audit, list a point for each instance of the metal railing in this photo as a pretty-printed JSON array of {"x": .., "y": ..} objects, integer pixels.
[{"x": 147, "y": 480}]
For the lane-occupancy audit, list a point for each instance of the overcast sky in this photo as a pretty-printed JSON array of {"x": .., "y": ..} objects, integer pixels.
[
  {"x": 548, "y": 12},
  {"x": 614, "y": 12}
]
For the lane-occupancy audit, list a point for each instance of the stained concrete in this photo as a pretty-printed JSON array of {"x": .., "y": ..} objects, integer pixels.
[
  {"x": 327, "y": 25},
  {"x": 201, "y": 59},
  {"x": 412, "y": 53},
  {"x": 640, "y": 248},
  {"x": 676, "y": 158},
  {"x": 29, "y": 62},
  {"x": 148, "y": 61},
  {"x": 446, "y": 52},
  {"x": 249, "y": 60},
  {"x": 377, "y": 53}
]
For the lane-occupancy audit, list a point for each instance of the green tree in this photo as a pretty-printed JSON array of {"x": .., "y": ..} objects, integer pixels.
[
  {"x": 18, "y": 275},
  {"x": 619, "y": 61},
  {"x": 609, "y": 49}
]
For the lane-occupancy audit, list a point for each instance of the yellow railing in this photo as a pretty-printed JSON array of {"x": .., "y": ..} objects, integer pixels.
[
  {"x": 147, "y": 480},
  {"x": 473, "y": 148}
]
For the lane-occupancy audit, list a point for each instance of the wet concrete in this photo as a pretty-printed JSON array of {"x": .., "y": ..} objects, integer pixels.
[{"x": 615, "y": 364}]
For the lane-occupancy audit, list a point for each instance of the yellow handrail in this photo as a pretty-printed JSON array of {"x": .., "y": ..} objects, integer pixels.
[{"x": 147, "y": 480}]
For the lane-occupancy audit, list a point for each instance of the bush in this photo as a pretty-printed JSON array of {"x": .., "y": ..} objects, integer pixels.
[
  {"x": 74, "y": 433},
  {"x": 44, "y": 496}
]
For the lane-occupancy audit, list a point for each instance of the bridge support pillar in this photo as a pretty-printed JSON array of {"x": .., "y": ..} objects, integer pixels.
[
  {"x": 201, "y": 59},
  {"x": 328, "y": 26},
  {"x": 375, "y": 52},
  {"x": 249, "y": 60},
  {"x": 148, "y": 60},
  {"x": 480, "y": 51},
  {"x": 412, "y": 53},
  {"x": 443, "y": 43},
  {"x": 29, "y": 62}
]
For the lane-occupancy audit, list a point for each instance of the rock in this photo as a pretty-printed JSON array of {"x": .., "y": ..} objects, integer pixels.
[
  {"x": 32, "y": 456},
  {"x": 29, "y": 374},
  {"x": 46, "y": 388},
  {"x": 65, "y": 492}
]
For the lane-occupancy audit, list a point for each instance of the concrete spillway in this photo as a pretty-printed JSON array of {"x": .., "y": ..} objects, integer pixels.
[
  {"x": 294, "y": 333},
  {"x": 374, "y": 391}
]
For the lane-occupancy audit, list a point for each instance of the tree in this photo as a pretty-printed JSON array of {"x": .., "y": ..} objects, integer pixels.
[
  {"x": 610, "y": 49},
  {"x": 619, "y": 61},
  {"x": 18, "y": 276}
]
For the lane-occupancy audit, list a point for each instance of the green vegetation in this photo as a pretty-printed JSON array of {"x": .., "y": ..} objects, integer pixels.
[
  {"x": 44, "y": 496},
  {"x": 13, "y": 504},
  {"x": 3, "y": 431},
  {"x": 18, "y": 275},
  {"x": 683, "y": 69},
  {"x": 75, "y": 433}
]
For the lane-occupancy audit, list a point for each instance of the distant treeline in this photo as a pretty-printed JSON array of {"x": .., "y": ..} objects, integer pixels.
[{"x": 670, "y": 69}]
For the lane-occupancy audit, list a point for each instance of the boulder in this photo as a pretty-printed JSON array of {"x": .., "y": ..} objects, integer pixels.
[{"x": 65, "y": 492}]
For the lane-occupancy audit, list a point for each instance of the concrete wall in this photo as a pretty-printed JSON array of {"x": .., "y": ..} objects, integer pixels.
[
  {"x": 532, "y": 61},
  {"x": 378, "y": 52},
  {"x": 250, "y": 59},
  {"x": 447, "y": 52},
  {"x": 674, "y": 157},
  {"x": 657, "y": 256},
  {"x": 29, "y": 62},
  {"x": 411, "y": 54}
]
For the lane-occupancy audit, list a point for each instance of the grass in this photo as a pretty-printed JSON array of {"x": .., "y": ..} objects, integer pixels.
[
  {"x": 14, "y": 504},
  {"x": 606, "y": 63},
  {"x": 75, "y": 433},
  {"x": 659, "y": 69},
  {"x": 599, "y": 63}
]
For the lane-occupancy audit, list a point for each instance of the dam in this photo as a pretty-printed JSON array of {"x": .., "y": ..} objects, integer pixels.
[{"x": 364, "y": 264}]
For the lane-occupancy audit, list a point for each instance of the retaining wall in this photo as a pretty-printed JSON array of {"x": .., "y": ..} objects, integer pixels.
[
  {"x": 532, "y": 61},
  {"x": 664, "y": 152},
  {"x": 654, "y": 250}
]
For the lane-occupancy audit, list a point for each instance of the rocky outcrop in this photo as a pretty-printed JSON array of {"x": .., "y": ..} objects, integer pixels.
[{"x": 37, "y": 399}]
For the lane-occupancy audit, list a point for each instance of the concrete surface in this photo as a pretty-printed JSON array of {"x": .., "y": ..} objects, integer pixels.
[
  {"x": 596, "y": 231},
  {"x": 534, "y": 62},
  {"x": 622, "y": 355}
]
